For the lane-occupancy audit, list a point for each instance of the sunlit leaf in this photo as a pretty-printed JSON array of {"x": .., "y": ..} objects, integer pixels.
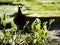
[
  {"x": 37, "y": 35},
  {"x": 1, "y": 19},
  {"x": 26, "y": 24},
  {"x": 51, "y": 21},
  {"x": 44, "y": 33},
  {"x": 43, "y": 41},
  {"x": 45, "y": 25},
  {"x": 33, "y": 26},
  {"x": 4, "y": 23},
  {"x": 38, "y": 27},
  {"x": 34, "y": 41},
  {"x": 13, "y": 25}
]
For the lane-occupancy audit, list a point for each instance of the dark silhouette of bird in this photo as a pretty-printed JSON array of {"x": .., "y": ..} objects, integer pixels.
[{"x": 20, "y": 19}]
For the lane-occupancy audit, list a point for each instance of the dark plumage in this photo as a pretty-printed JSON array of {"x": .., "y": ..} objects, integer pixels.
[{"x": 20, "y": 19}]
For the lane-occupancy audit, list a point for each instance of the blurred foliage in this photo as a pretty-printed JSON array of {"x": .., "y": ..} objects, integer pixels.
[
  {"x": 26, "y": 0},
  {"x": 3, "y": 21},
  {"x": 8, "y": 0},
  {"x": 38, "y": 35}
]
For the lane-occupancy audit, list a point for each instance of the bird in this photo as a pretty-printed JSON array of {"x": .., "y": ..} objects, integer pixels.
[{"x": 20, "y": 19}]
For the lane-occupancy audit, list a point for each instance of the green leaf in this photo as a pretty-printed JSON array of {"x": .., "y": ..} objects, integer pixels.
[
  {"x": 4, "y": 23},
  {"x": 43, "y": 41},
  {"x": 45, "y": 25},
  {"x": 7, "y": 33},
  {"x": 34, "y": 41},
  {"x": 32, "y": 26},
  {"x": 38, "y": 27},
  {"x": 13, "y": 25},
  {"x": 45, "y": 33},
  {"x": 51, "y": 21},
  {"x": 1, "y": 19},
  {"x": 26, "y": 25},
  {"x": 37, "y": 35}
]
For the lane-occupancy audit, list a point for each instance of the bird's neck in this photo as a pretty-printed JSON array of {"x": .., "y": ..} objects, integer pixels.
[{"x": 19, "y": 10}]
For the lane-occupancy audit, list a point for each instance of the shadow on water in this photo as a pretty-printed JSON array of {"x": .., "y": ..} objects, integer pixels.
[{"x": 5, "y": 3}]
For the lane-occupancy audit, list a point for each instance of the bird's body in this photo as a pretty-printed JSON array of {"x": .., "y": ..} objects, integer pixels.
[{"x": 20, "y": 19}]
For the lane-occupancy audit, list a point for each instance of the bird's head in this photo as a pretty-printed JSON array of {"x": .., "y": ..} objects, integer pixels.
[{"x": 20, "y": 5}]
